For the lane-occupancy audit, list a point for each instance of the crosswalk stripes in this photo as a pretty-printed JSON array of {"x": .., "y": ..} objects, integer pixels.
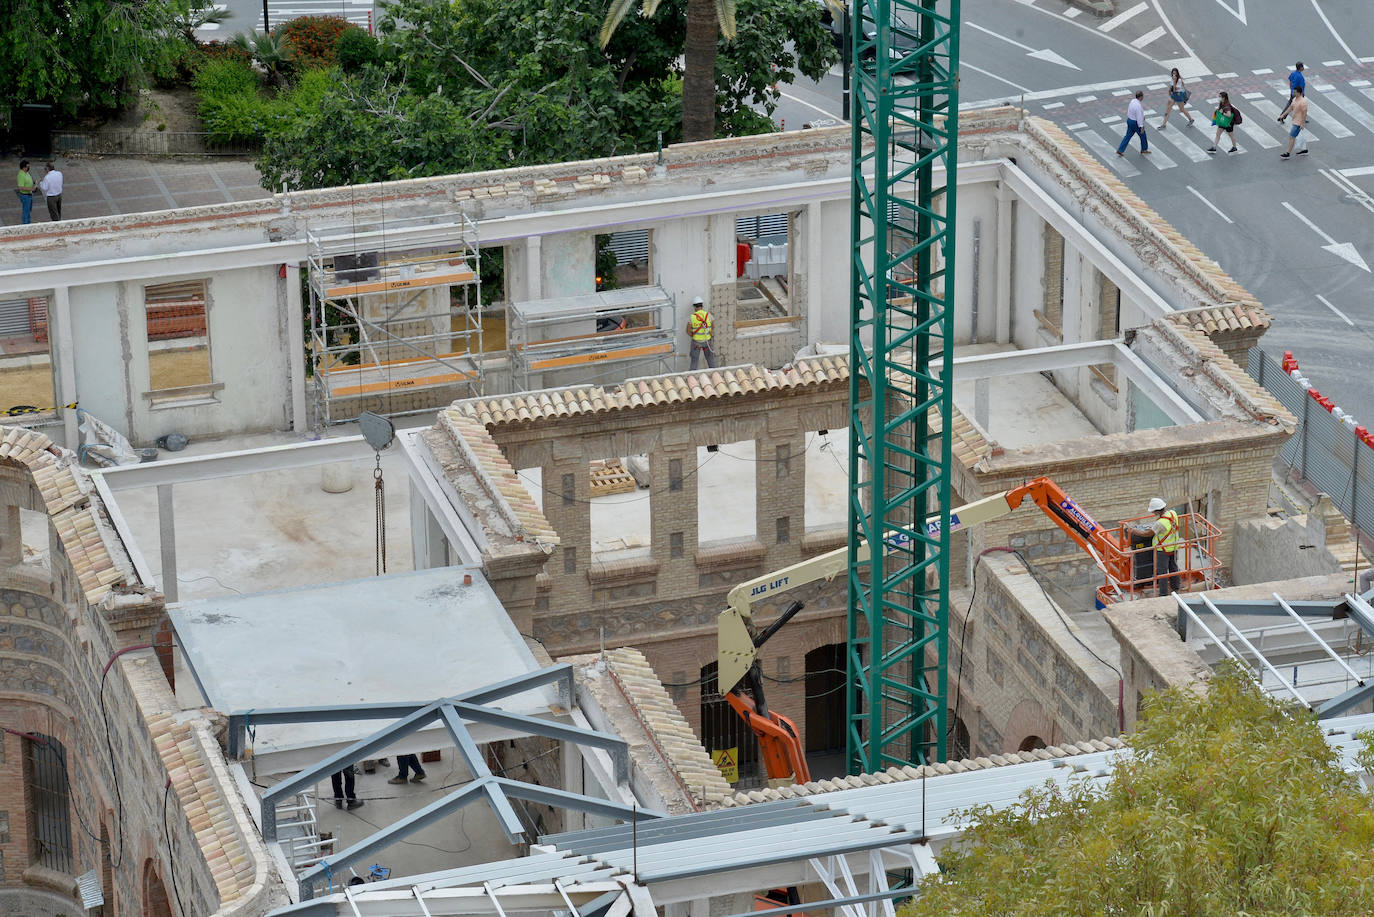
[
  {"x": 1342, "y": 111},
  {"x": 1346, "y": 104},
  {"x": 1270, "y": 112},
  {"x": 1104, "y": 148},
  {"x": 1185, "y": 139}
]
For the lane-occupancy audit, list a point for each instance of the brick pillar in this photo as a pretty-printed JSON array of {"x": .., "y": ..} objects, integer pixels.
[
  {"x": 780, "y": 495},
  {"x": 673, "y": 514},
  {"x": 567, "y": 496}
]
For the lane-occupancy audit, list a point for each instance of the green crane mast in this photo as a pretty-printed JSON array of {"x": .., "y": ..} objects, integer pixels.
[{"x": 905, "y": 57}]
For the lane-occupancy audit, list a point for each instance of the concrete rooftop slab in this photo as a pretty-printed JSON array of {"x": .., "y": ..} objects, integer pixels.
[{"x": 395, "y": 638}]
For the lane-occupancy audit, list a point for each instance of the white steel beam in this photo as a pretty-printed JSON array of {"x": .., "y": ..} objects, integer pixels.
[
  {"x": 230, "y": 464},
  {"x": 1032, "y": 360},
  {"x": 1075, "y": 233},
  {"x": 166, "y": 265},
  {"x": 1143, "y": 376}
]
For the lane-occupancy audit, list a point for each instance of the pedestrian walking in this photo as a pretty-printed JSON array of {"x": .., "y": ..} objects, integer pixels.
[
  {"x": 406, "y": 764},
  {"x": 23, "y": 186},
  {"x": 1226, "y": 117},
  {"x": 1135, "y": 124},
  {"x": 51, "y": 186},
  {"x": 1178, "y": 96},
  {"x": 699, "y": 329},
  {"x": 342, "y": 782},
  {"x": 1296, "y": 82},
  {"x": 1298, "y": 109}
]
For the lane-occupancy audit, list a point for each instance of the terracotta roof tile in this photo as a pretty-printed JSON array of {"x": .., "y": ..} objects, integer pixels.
[
  {"x": 672, "y": 388},
  {"x": 468, "y": 434}
]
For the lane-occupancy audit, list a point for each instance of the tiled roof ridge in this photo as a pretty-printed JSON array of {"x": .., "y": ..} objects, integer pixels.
[
  {"x": 651, "y": 391},
  {"x": 1213, "y": 362},
  {"x": 237, "y": 860},
  {"x": 907, "y": 773},
  {"x": 683, "y": 752},
  {"x": 101, "y": 563},
  {"x": 496, "y": 476},
  {"x": 1202, "y": 270},
  {"x": 1230, "y": 317}
]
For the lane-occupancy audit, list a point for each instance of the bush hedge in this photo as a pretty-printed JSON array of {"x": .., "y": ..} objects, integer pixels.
[{"x": 314, "y": 39}]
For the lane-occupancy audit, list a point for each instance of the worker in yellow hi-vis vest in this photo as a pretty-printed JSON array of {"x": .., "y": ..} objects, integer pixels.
[
  {"x": 699, "y": 330},
  {"x": 1166, "y": 542}
]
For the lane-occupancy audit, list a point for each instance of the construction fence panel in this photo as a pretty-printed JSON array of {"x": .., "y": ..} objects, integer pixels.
[{"x": 1323, "y": 450}]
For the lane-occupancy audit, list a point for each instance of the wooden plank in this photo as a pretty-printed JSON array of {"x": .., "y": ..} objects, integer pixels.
[
  {"x": 399, "y": 283},
  {"x": 389, "y": 385},
  {"x": 584, "y": 358}
]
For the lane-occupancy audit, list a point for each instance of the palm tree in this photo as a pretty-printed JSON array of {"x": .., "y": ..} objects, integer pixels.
[
  {"x": 189, "y": 15},
  {"x": 706, "y": 20},
  {"x": 270, "y": 50}
]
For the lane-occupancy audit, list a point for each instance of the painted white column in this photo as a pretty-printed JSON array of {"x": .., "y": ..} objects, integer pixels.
[
  {"x": 62, "y": 352},
  {"x": 428, "y": 546},
  {"x": 1075, "y": 300},
  {"x": 573, "y": 782},
  {"x": 1002, "y": 258},
  {"x": 815, "y": 266}
]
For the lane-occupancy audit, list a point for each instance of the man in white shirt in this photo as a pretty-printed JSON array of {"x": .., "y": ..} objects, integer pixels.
[
  {"x": 1135, "y": 124},
  {"x": 51, "y": 186}
]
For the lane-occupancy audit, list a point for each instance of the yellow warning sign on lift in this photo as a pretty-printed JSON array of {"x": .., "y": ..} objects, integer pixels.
[{"x": 727, "y": 759}]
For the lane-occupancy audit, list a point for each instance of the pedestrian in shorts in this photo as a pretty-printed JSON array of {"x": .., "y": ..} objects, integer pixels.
[
  {"x": 1299, "y": 111},
  {"x": 1178, "y": 96}
]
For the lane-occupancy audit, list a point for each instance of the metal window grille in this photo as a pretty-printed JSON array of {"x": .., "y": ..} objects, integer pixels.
[
  {"x": 49, "y": 804},
  {"x": 722, "y": 728}
]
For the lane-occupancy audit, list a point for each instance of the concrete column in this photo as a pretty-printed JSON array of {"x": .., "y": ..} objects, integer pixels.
[
  {"x": 524, "y": 280},
  {"x": 1002, "y": 254},
  {"x": 295, "y": 345},
  {"x": 573, "y": 782},
  {"x": 780, "y": 494},
  {"x": 428, "y": 546},
  {"x": 1076, "y": 300},
  {"x": 982, "y": 398},
  {"x": 11, "y": 538},
  {"x": 167, "y": 536},
  {"x": 673, "y": 513},
  {"x": 62, "y": 351},
  {"x": 720, "y": 294}
]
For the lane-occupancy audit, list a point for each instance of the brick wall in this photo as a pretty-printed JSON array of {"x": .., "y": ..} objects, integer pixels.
[
  {"x": 59, "y": 678},
  {"x": 1017, "y": 675}
]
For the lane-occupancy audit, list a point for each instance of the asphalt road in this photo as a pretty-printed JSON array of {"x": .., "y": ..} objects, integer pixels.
[{"x": 1299, "y": 234}]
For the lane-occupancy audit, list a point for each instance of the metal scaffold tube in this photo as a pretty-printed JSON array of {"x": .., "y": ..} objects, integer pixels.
[{"x": 905, "y": 101}]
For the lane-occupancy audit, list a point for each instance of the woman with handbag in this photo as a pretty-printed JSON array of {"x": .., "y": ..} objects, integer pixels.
[
  {"x": 1177, "y": 96},
  {"x": 1226, "y": 117}
]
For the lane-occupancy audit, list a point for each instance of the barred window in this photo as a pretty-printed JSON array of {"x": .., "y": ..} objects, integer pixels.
[{"x": 48, "y": 803}]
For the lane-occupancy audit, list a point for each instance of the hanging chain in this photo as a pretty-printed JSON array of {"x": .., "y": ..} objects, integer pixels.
[{"x": 381, "y": 515}]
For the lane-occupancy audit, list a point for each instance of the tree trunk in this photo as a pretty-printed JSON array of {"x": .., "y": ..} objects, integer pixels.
[{"x": 699, "y": 80}]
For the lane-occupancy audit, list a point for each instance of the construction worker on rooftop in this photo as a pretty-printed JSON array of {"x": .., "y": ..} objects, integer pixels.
[
  {"x": 699, "y": 330},
  {"x": 1166, "y": 543}
]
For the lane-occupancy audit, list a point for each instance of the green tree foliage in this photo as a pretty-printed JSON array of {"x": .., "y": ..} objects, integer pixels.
[
  {"x": 314, "y": 40},
  {"x": 80, "y": 55},
  {"x": 1231, "y": 804},
  {"x": 484, "y": 84}
]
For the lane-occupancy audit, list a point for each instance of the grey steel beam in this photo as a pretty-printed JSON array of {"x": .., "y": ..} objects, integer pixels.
[
  {"x": 562, "y": 799},
  {"x": 561, "y": 672},
  {"x": 1320, "y": 608},
  {"x": 363, "y": 748},
  {"x": 1235, "y": 631},
  {"x": 1320, "y": 642},
  {"x": 477, "y": 766},
  {"x": 613, "y": 745},
  {"x": 1345, "y": 701},
  {"x": 240, "y": 721},
  {"x": 390, "y": 835},
  {"x": 1153, "y": 386}
]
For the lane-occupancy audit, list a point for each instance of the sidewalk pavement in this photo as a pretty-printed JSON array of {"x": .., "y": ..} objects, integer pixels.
[{"x": 97, "y": 186}]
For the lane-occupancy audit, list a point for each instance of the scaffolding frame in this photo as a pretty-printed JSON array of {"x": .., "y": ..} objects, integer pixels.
[
  {"x": 536, "y": 348},
  {"x": 369, "y": 343}
]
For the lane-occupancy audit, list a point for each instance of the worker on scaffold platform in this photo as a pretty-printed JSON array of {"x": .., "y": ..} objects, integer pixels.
[
  {"x": 1166, "y": 543},
  {"x": 699, "y": 330}
]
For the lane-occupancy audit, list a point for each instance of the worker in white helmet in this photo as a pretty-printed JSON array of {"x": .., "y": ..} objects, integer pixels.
[
  {"x": 699, "y": 329},
  {"x": 1166, "y": 541}
]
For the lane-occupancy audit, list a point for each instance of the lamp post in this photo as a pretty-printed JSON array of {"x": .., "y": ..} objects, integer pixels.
[{"x": 266, "y": 23}]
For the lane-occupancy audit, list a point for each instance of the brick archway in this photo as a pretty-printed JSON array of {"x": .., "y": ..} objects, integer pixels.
[
  {"x": 155, "y": 900},
  {"x": 1028, "y": 723}
]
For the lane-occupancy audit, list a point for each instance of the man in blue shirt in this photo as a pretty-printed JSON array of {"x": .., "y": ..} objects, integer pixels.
[{"x": 1296, "y": 81}]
